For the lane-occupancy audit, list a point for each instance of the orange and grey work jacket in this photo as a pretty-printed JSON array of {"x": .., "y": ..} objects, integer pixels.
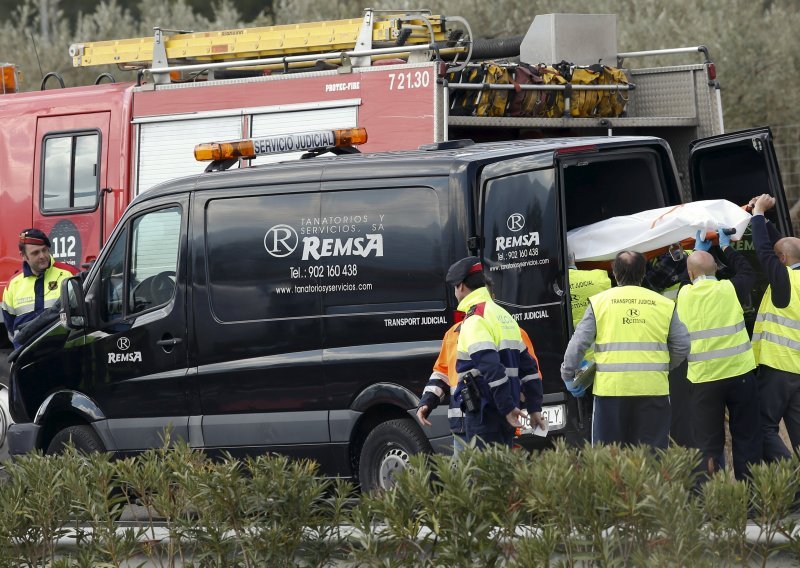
[{"x": 443, "y": 380}]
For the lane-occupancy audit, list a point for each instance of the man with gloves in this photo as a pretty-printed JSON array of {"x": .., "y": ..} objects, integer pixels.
[
  {"x": 721, "y": 361},
  {"x": 638, "y": 337},
  {"x": 776, "y": 335}
]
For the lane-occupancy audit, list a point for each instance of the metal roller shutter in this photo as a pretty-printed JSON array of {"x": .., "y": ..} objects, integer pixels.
[{"x": 166, "y": 149}]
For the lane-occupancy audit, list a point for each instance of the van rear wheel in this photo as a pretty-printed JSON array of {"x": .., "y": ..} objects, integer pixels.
[
  {"x": 83, "y": 437},
  {"x": 386, "y": 451}
]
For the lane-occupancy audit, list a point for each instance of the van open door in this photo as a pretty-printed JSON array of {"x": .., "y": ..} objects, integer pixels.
[
  {"x": 523, "y": 249},
  {"x": 737, "y": 167}
]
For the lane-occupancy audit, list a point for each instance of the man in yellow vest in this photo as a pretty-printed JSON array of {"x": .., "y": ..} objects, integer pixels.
[
  {"x": 638, "y": 337},
  {"x": 776, "y": 335},
  {"x": 36, "y": 287},
  {"x": 721, "y": 360},
  {"x": 583, "y": 284}
]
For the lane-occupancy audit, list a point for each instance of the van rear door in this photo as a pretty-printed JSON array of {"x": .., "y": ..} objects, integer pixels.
[
  {"x": 523, "y": 249},
  {"x": 739, "y": 166}
]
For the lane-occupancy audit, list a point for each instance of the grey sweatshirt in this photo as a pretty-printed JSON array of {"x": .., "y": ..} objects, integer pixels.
[{"x": 586, "y": 331}]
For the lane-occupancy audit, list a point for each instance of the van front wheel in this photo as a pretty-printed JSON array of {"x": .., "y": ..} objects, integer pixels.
[
  {"x": 386, "y": 451},
  {"x": 82, "y": 437}
]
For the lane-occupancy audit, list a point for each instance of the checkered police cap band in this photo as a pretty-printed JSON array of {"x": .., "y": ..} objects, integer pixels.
[{"x": 33, "y": 237}]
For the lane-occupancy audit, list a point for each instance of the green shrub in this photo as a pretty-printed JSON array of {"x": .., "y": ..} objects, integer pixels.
[
  {"x": 605, "y": 506},
  {"x": 34, "y": 509}
]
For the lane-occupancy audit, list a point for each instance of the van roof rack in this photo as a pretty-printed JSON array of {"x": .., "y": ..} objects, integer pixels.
[
  {"x": 380, "y": 34},
  {"x": 448, "y": 145}
]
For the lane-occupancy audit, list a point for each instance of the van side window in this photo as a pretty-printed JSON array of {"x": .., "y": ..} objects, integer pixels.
[
  {"x": 381, "y": 248},
  {"x": 522, "y": 238},
  {"x": 112, "y": 279},
  {"x": 255, "y": 250},
  {"x": 155, "y": 241},
  {"x": 70, "y": 171}
]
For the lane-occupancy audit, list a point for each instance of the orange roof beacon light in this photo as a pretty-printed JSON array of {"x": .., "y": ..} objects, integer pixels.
[
  {"x": 300, "y": 142},
  {"x": 9, "y": 80}
]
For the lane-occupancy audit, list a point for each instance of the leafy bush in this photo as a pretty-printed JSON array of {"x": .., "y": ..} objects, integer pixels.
[{"x": 607, "y": 506}]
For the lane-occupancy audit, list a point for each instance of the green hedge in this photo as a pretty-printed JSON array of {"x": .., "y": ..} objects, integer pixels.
[{"x": 606, "y": 506}]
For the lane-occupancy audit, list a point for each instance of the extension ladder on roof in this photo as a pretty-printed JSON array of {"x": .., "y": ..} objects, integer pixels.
[{"x": 376, "y": 34}]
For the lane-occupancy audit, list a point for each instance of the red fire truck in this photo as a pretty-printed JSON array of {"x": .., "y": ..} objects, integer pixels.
[{"x": 71, "y": 159}]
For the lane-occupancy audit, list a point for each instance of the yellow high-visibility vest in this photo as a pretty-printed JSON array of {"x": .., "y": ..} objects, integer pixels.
[
  {"x": 776, "y": 336},
  {"x": 721, "y": 347},
  {"x": 631, "y": 344},
  {"x": 583, "y": 284}
]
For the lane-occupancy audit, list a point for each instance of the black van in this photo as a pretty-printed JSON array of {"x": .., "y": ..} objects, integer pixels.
[{"x": 299, "y": 307}]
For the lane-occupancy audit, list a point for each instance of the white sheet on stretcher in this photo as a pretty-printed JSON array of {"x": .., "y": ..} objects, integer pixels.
[{"x": 655, "y": 228}]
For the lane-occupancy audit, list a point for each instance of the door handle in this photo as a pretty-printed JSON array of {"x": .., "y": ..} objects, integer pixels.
[{"x": 172, "y": 342}]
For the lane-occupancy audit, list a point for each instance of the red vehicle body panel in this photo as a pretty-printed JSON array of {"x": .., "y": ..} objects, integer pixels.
[
  {"x": 395, "y": 118},
  {"x": 396, "y": 104},
  {"x": 24, "y": 119}
]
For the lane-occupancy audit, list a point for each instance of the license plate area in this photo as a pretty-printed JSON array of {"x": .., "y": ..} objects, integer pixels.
[{"x": 555, "y": 416}]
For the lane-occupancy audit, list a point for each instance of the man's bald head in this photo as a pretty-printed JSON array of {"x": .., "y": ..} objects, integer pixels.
[
  {"x": 788, "y": 250},
  {"x": 700, "y": 263}
]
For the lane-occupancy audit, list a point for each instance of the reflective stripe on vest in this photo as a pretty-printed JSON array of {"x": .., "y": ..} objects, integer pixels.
[
  {"x": 776, "y": 336},
  {"x": 583, "y": 284},
  {"x": 631, "y": 344},
  {"x": 492, "y": 330},
  {"x": 671, "y": 292},
  {"x": 20, "y": 294},
  {"x": 721, "y": 347}
]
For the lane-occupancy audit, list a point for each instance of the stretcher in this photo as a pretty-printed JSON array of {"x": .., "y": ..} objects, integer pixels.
[{"x": 652, "y": 232}]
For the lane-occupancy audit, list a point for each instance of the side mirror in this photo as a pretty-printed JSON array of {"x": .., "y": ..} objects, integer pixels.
[{"x": 73, "y": 304}]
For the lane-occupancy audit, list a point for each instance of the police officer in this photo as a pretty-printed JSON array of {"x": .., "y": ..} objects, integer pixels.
[
  {"x": 638, "y": 338},
  {"x": 444, "y": 379},
  {"x": 721, "y": 360},
  {"x": 776, "y": 335},
  {"x": 493, "y": 363},
  {"x": 37, "y": 287}
]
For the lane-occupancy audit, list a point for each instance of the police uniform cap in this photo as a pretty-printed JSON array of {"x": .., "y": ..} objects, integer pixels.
[
  {"x": 34, "y": 237},
  {"x": 460, "y": 270}
]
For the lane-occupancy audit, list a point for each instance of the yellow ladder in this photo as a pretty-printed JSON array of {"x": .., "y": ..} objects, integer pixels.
[{"x": 412, "y": 28}]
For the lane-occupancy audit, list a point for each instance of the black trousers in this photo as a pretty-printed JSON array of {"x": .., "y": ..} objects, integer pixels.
[
  {"x": 779, "y": 398},
  {"x": 709, "y": 401},
  {"x": 488, "y": 427},
  {"x": 681, "y": 428},
  {"x": 631, "y": 420}
]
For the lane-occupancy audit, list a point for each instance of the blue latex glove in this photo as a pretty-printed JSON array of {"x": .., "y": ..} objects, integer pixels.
[
  {"x": 700, "y": 243},
  {"x": 575, "y": 389},
  {"x": 724, "y": 240}
]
